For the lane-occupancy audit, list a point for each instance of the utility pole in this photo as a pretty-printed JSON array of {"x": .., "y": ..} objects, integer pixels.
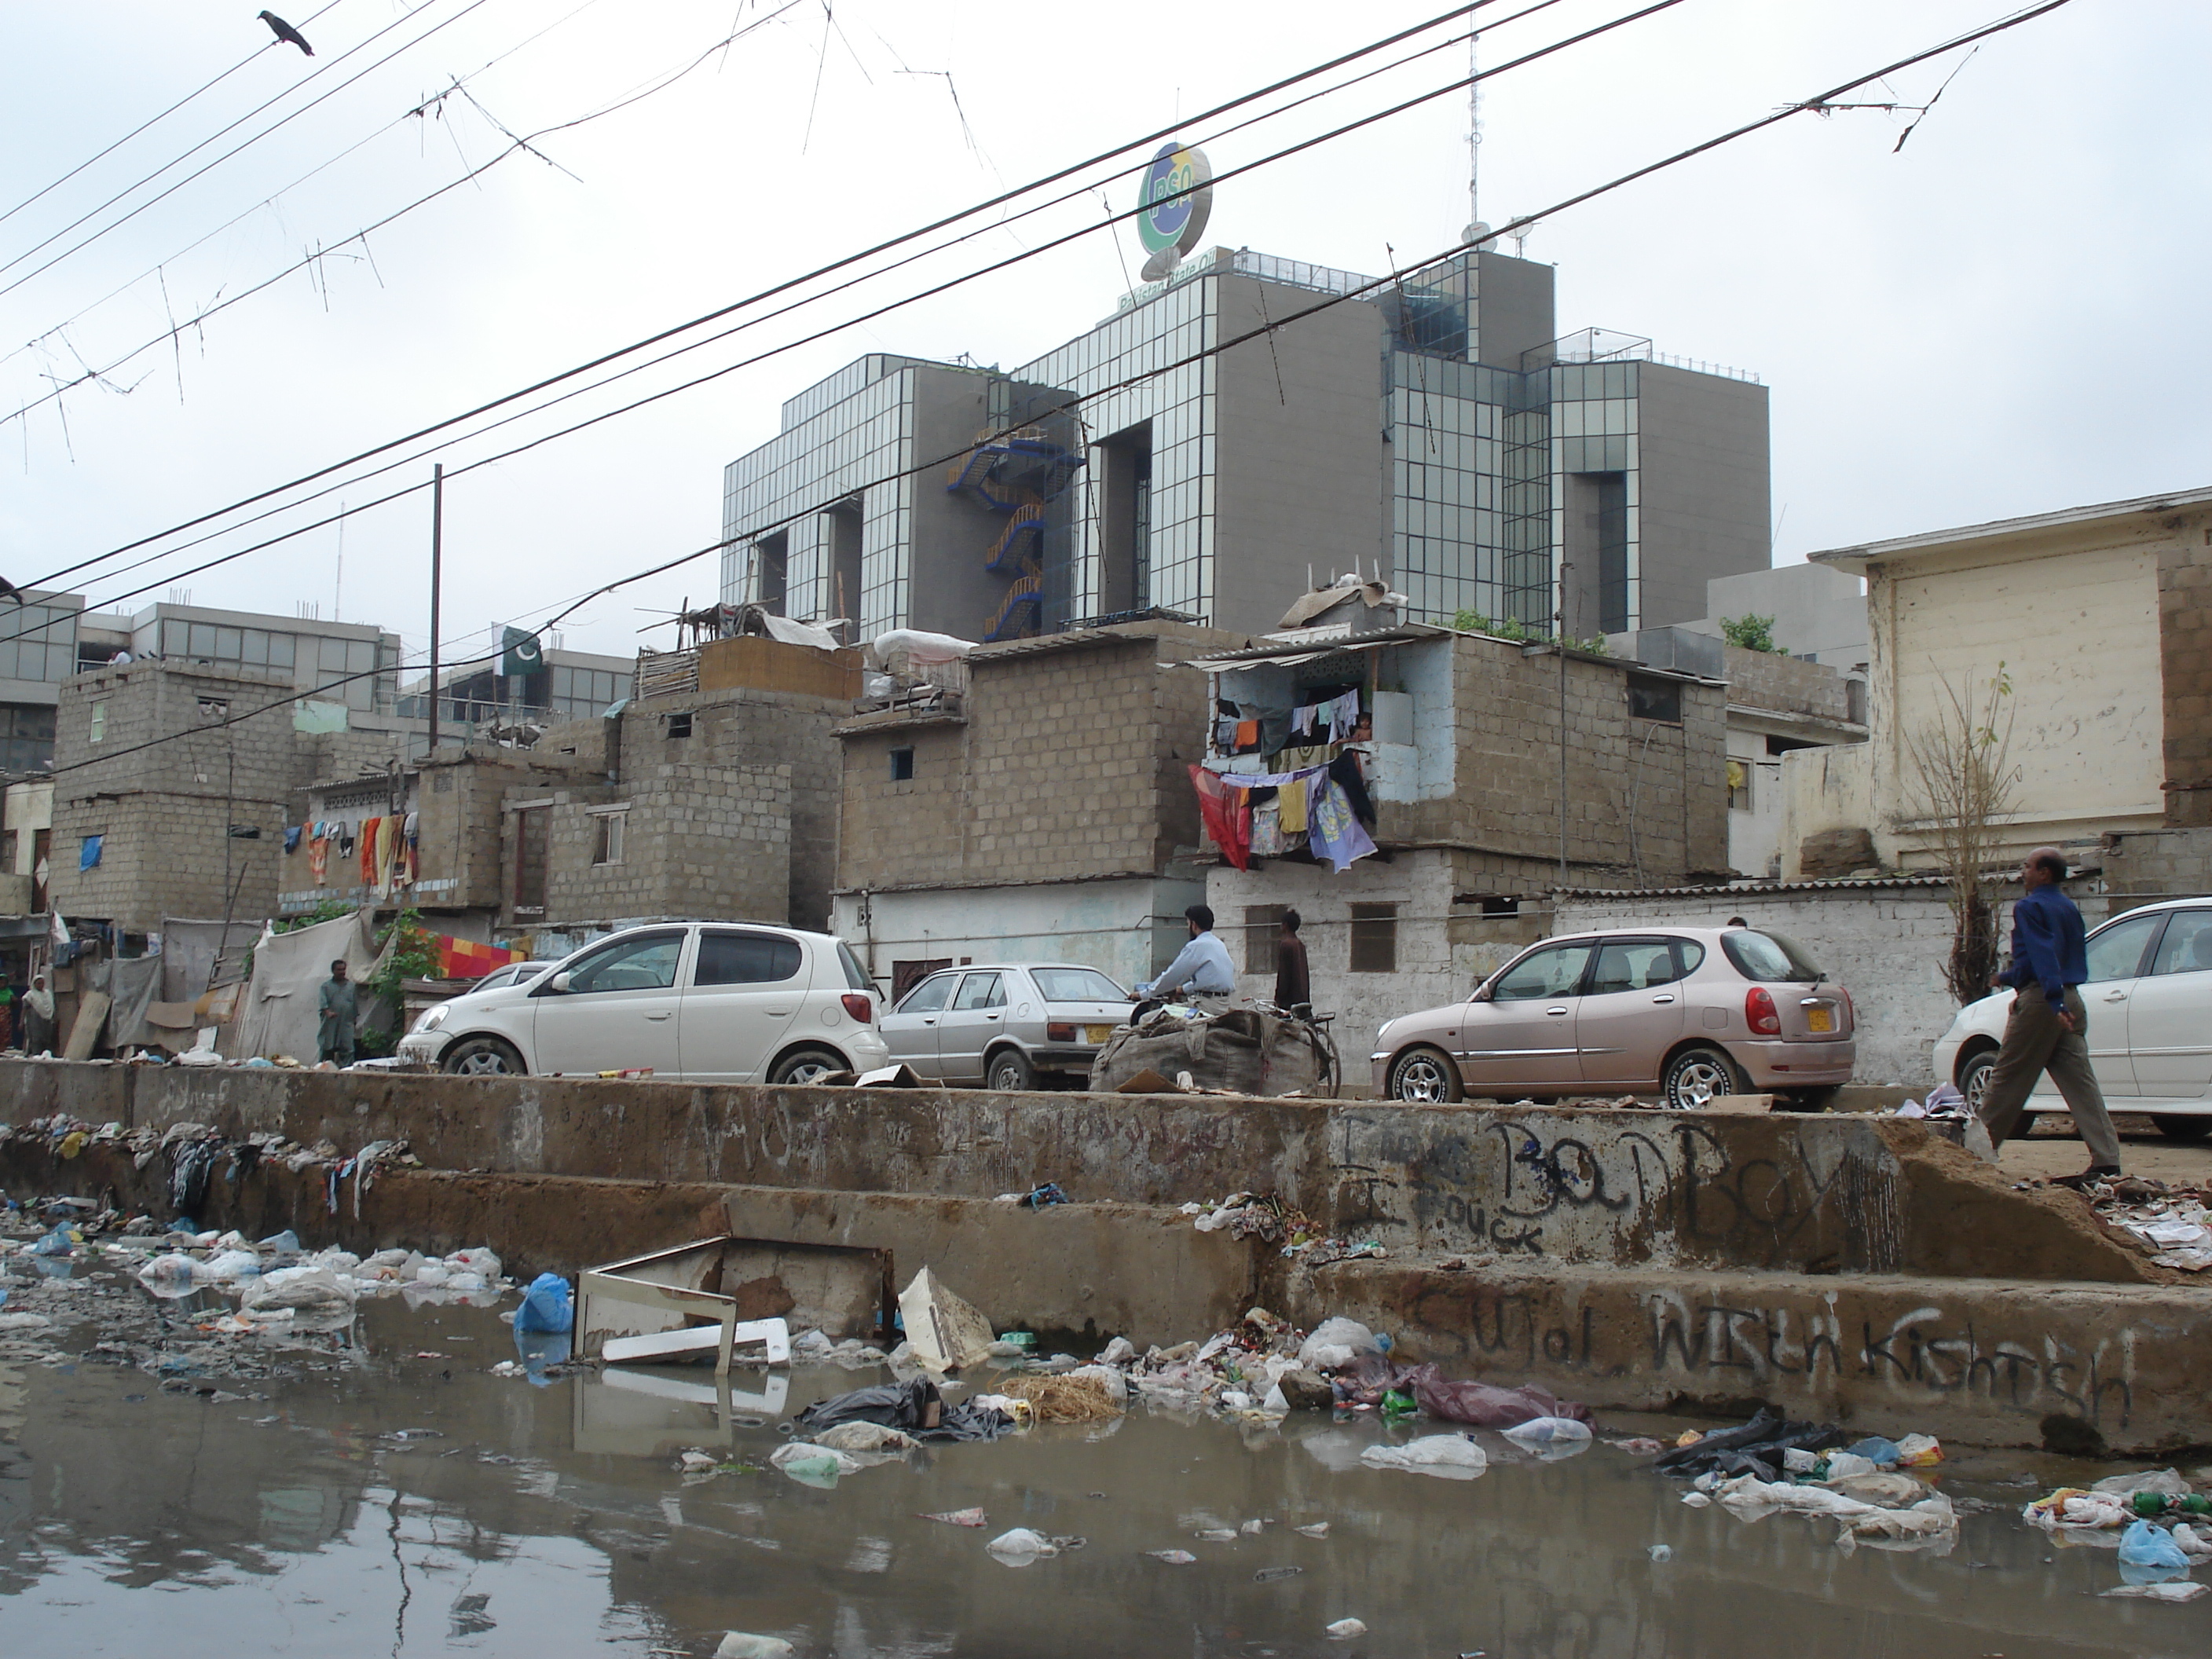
[
  {"x": 1560, "y": 639},
  {"x": 437, "y": 559}
]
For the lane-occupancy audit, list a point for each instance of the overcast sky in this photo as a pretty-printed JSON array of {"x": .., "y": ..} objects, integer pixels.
[{"x": 2004, "y": 318}]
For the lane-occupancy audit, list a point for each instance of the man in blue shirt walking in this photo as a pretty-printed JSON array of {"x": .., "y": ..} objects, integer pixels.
[{"x": 2048, "y": 1028}]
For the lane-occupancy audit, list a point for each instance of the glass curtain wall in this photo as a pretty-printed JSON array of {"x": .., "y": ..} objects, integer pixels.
[{"x": 1180, "y": 406}]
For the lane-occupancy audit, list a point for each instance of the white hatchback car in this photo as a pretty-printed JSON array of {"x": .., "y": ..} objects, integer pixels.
[
  {"x": 698, "y": 1002},
  {"x": 2149, "y": 1001}
]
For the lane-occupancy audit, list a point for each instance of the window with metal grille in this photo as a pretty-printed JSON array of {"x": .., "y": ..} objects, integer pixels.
[{"x": 1375, "y": 939}]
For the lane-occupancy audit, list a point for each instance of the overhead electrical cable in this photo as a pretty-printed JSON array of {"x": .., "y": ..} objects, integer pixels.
[
  {"x": 152, "y": 120},
  {"x": 124, "y": 219},
  {"x": 1266, "y": 329},
  {"x": 273, "y": 196},
  {"x": 665, "y": 334},
  {"x": 310, "y": 261},
  {"x": 1377, "y": 285}
]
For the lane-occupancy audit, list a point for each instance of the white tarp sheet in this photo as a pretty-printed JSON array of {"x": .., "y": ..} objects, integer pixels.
[{"x": 279, "y": 1014}]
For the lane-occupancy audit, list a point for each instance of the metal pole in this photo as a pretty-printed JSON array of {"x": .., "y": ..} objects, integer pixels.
[
  {"x": 437, "y": 561},
  {"x": 1559, "y": 630}
]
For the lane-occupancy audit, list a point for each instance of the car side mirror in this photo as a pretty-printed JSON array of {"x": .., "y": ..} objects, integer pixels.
[
  {"x": 558, "y": 983},
  {"x": 1482, "y": 992}
]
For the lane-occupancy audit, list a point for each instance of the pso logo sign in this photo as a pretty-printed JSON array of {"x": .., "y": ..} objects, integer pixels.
[{"x": 1175, "y": 198}]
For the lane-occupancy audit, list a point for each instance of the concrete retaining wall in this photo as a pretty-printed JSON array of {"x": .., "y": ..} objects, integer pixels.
[{"x": 1986, "y": 1361}]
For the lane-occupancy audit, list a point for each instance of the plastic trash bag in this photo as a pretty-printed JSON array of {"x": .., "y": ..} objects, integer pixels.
[
  {"x": 61, "y": 1242},
  {"x": 813, "y": 1466},
  {"x": 480, "y": 1260},
  {"x": 228, "y": 1266},
  {"x": 1882, "y": 1453},
  {"x": 286, "y": 1241},
  {"x": 1334, "y": 1344},
  {"x": 1550, "y": 1431},
  {"x": 1022, "y": 1546},
  {"x": 546, "y": 1306},
  {"x": 744, "y": 1644},
  {"x": 2152, "y": 1549},
  {"x": 915, "y": 1406},
  {"x": 1484, "y": 1406},
  {"x": 311, "y": 1295},
  {"x": 1452, "y": 1456}
]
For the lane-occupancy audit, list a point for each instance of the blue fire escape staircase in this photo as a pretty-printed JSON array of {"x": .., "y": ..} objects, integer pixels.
[{"x": 1017, "y": 474}]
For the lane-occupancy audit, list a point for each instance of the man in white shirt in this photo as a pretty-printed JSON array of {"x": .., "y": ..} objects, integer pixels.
[{"x": 1203, "y": 966}]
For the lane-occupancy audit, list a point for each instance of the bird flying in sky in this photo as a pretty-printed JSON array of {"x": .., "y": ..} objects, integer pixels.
[{"x": 284, "y": 31}]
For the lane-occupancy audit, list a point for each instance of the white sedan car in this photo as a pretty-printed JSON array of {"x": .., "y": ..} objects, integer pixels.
[
  {"x": 2149, "y": 1001},
  {"x": 698, "y": 1002}
]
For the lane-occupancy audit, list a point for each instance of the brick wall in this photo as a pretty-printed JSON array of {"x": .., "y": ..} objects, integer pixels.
[
  {"x": 1765, "y": 679},
  {"x": 1068, "y": 762},
  {"x": 2156, "y": 864},
  {"x": 1645, "y": 798},
  {"x": 2184, "y": 644},
  {"x": 748, "y": 729},
  {"x": 709, "y": 842},
  {"x": 164, "y": 813}
]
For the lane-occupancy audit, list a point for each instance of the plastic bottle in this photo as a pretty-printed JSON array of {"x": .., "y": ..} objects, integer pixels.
[{"x": 1398, "y": 1404}]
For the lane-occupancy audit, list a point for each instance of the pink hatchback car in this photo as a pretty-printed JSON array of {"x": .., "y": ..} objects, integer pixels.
[{"x": 1691, "y": 1012}]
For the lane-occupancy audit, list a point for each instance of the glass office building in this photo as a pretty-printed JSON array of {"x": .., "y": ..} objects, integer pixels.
[{"x": 1252, "y": 425}]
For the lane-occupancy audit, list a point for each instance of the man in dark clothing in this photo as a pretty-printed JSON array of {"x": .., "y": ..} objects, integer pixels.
[
  {"x": 339, "y": 1006},
  {"x": 2048, "y": 1028},
  {"x": 1294, "y": 989}
]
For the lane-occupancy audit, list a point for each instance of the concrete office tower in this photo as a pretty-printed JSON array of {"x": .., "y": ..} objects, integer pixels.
[{"x": 1244, "y": 424}]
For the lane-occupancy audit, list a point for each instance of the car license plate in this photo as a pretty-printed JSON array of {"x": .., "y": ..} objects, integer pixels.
[
  {"x": 1097, "y": 1034},
  {"x": 1820, "y": 1020}
]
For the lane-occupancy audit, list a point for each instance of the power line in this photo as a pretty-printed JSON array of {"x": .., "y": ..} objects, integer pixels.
[
  {"x": 1264, "y": 329},
  {"x": 149, "y": 121},
  {"x": 155, "y": 269},
  {"x": 171, "y": 190},
  {"x": 358, "y": 478},
  {"x": 310, "y": 261},
  {"x": 783, "y": 286}
]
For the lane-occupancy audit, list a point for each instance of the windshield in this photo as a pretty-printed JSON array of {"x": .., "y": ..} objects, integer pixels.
[
  {"x": 1076, "y": 985},
  {"x": 1768, "y": 956}
]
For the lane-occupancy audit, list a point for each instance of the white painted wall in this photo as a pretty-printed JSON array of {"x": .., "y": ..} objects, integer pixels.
[{"x": 1130, "y": 929}]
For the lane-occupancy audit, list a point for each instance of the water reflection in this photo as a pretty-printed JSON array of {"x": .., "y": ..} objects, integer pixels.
[{"x": 375, "y": 1502}]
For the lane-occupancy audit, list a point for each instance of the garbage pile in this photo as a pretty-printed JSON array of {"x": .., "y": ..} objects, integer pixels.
[
  {"x": 193, "y": 1153},
  {"x": 1273, "y": 1220},
  {"x": 2172, "y": 1222},
  {"x": 1237, "y": 1051},
  {"x": 1770, "y": 1465}
]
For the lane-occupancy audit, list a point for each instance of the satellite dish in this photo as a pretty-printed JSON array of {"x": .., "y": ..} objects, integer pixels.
[{"x": 1476, "y": 233}]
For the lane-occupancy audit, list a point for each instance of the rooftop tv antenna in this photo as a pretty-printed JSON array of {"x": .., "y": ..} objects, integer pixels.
[{"x": 1476, "y": 231}]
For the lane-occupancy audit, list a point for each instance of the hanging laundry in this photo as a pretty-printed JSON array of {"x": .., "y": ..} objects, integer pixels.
[
  {"x": 1343, "y": 717},
  {"x": 407, "y": 869},
  {"x": 1226, "y": 815},
  {"x": 1267, "y": 830},
  {"x": 1224, "y": 735},
  {"x": 1302, "y": 719},
  {"x": 388, "y": 854},
  {"x": 1345, "y": 772},
  {"x": 369, "y": 851},
  {"x": 1290, "y": 806},
  {"x": 319, "y": 858},
  {"x": 1248, "y": 737},
  {"x": 1337, "y": 835},
  {"x": 291, "y": 840}
]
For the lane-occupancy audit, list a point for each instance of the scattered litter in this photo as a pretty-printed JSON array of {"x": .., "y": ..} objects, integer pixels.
[
  {"x": 1318, "y": 1529},
  {"x": 1091, "y": 1394},
  {"x": 2181, "y": 1590},
  {"x": 864, "y": 1436},
  {"x": 743, "y": 1644},
  {"x": 2171, "y": 1221},
  {"x": 1452, "y": 1456},
  {"x": 2146, "y": 1545},
  {"x": 1696, "y": 1500},
  {"x": 1022, "y": 1546},
  {"x": 1215, "y": 1534},
  {"x": 1661, "y": 1552},
  {"x": 915, "y": 1406},
  {"x": 1275, "y": 1574},
  {"x": 814, "y": 1466},
  {"x": 1173, "y": 1558},
  {"x": 945, "y": 1334},
  {"x": 1345, "y": 1630},
  {"x": 960, "y": 1517}
]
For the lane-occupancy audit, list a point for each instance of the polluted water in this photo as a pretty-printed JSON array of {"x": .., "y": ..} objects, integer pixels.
[{"x": 378, "y": 1490}]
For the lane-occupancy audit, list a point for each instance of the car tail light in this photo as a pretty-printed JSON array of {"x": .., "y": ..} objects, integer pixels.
[
  {"x": 1060, "y": 1032},
  {"x": 1759, "y": 1013},
  {"x": 858, "y": 1007},
  {"x": 1850, "y": 1012}
]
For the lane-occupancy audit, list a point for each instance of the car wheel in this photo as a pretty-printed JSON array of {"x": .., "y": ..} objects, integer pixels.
[
  {"x": 483, "y": 1057},
  {"x": 1974, "y": 1079},
  {"x": 1426, "y": 1077},
  {"x": 1010, "y": 1070},
  {"x": 1697, "y": 1075},
  {"x": 806, "y": 1064},
  {"x": 2174, "y": 1127}
]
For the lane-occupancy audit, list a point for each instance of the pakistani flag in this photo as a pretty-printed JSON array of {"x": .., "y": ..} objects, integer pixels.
[{"x": 523, "y": 654}]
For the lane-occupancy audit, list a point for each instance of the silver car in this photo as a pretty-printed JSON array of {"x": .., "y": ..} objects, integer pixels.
[
  {"x": 1005, "y": 1025},
  {"x": 1693, "y": 1012}
]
